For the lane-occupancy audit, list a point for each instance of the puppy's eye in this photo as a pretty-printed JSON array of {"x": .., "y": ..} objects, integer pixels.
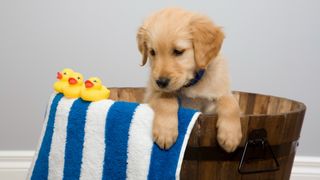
[
  {"x": 177, "y": 52},
  {"x": 152, "y": 52}
]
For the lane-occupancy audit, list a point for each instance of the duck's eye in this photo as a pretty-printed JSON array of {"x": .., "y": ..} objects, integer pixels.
[
  {"x": 65, "y": 73},
  {"x": 177, "y": 52},
  {"x": 79, "y": 78},
  {"x": 95, "y": 81},
  {"x": 152, "y": 52}
]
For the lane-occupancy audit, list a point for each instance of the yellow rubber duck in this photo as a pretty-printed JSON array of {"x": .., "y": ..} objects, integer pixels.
[
  {"x": 94, "y": 90},
  {"x": 73, "y": 90},
  {"x": 62, "y": 82}
]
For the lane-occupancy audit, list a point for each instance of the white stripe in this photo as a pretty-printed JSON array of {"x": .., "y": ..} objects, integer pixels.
[
  {"x": 185, "y": 142},
  {"x": 35, "y": 157},
  {"x": 56, "y": 156},
  {"x": 94, "y": 146},
  {"x": 140, "y": 143}
]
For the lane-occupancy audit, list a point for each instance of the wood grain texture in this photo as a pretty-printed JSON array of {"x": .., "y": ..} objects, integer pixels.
[
  {"x": 281, "y": 118},
  {"x": 261, "y": 104}
]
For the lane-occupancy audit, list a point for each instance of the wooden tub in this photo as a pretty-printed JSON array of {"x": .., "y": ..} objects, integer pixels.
[{"x": 271, "y": 129}]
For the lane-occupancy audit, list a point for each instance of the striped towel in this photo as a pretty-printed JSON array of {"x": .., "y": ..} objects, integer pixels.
[{"x": 106, "y": 140}]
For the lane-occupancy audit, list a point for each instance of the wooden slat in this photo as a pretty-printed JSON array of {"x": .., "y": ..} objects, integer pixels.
[
  {"x": 295, "y": 106},
  {"x": 284, "y": 106},
  {"x": 210, "y": 170},
  {"x": 127, "y": 94},
  {"x": 261, "y": 104},
  {"x": 273, "y": 105},
  {"x": 287, "y": 166},
  {"x": 271, "y": 124},
  {"x": 292, "y": 126},
  {"x": 208, "y": 131},
  {"x": 250, "y": 103},
  {"x": 243, "y": 101},
  {"x": 189, "y": 170}
]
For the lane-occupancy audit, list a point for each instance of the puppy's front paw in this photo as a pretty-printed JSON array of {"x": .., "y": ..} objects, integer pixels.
[
  {"x": 229, "y": 134},
  {"x": 165, "y": 132}
]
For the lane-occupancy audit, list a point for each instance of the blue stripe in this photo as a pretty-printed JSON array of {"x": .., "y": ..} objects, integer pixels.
[
  {"x": 116, "y": 140},
  {"x": 75, "y": 139},
  {"x": 41, "y": 167},
  {"x": 163, "y": 163}
]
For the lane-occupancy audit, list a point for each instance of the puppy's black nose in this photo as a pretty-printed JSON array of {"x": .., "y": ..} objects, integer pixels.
[{"x": 163, "y": 82}]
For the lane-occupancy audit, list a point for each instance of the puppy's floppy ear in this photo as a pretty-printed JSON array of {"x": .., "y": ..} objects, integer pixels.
[
  {"x": 207, "y": 40},
  {"x": 141, "y": 39}
]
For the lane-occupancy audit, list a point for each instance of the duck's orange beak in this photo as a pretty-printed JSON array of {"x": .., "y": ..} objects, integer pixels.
[
  {"x": 72, "y": 81},
  {"x": 89, "y": 84},
  {"x": 59, "y": 75}
]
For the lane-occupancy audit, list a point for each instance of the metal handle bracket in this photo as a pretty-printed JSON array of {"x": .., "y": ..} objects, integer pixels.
[{"x": 257, "y": 142}]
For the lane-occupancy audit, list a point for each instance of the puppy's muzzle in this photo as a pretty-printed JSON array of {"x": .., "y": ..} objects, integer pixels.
[{"x": 163, "y": 82}]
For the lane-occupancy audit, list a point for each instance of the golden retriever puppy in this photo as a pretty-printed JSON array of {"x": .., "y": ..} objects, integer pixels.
[{"x": 183, "y": 50}]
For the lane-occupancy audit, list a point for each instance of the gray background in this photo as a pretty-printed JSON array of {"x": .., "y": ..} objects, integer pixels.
[{"x": 272, "y": 46}]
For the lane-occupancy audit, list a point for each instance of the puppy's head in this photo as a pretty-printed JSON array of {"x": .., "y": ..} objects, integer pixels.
[{"x": 178, "y": 43}]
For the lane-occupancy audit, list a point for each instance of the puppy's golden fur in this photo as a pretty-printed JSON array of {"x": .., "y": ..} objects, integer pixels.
[{"x": 178, "y": 43}]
